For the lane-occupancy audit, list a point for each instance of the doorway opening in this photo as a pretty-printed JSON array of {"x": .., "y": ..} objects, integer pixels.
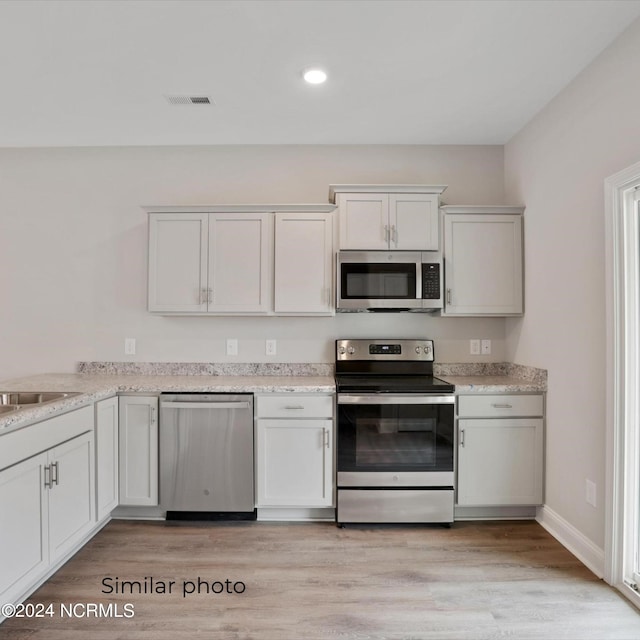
[{"x": 622, "y": 541}]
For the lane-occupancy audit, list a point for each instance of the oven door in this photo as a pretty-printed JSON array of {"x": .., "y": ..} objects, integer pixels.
[{"x": 397, "y": 440}]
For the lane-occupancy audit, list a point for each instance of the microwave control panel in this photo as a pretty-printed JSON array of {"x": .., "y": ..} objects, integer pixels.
[{"x": 431, "y": 281}]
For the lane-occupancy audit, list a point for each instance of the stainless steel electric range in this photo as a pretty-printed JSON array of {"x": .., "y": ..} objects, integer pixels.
[{"x": 395, "y": 434}]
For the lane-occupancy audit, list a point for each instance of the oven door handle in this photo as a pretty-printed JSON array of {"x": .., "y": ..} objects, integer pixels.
[{"x": 345, "y": 398}]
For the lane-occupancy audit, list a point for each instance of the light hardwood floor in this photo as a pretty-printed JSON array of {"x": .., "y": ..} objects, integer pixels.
[{"x": 314, "y": 581}]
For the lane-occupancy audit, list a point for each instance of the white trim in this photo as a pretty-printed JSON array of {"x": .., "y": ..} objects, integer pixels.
[
  {"x": 240, "y": 208},
  {"x": 589, "y": 553},
  {"x": 334, "y": 189},
  {"x": 484, "y": 209},
  {"x": 621, "y": 238},
  {"x": 296, "y": 514}
]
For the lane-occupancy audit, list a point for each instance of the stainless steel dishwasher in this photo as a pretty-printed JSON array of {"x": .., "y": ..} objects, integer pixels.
[{"x": 206, "y": 456}]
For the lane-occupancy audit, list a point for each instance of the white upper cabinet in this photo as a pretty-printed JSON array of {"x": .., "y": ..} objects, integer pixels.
[
  {"x": 483, "y": 258},
  {"x": 209, "y": 262},
  {"x": 227, "y": 260},
  {"x": 388, "y": 217},
  {"x": 178, "y": 252},
  {"x": 239, "y": 259},
  {"x": 303, "y": 263}
]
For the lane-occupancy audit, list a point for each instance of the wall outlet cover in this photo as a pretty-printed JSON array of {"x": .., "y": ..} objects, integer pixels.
[
  {"x": 486, "y": 347},
  {"x": 130, "y": 346},
  {"x": 270, "y": 347},
  {"x": 232, "y": 346},
  {"x": 474, "y": 347}
]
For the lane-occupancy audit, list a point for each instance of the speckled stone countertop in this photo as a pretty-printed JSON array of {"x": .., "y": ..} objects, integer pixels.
[
  {"x": 97, "y": 381},
  {"x": 498, "y": 377},
  {"x": 94, "y": 387}
]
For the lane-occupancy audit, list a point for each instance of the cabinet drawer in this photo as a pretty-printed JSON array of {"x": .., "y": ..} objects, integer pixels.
[
  {"x": 499, "y": 406},
  {"x": 294, "y": 405}
]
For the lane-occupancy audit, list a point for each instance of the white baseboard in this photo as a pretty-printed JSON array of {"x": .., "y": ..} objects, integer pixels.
[
  {"x": 568, "y": 536},
  {"x": 296, "y": 514}
]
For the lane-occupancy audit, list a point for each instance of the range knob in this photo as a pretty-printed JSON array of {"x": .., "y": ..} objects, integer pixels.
[
  {"x": 342, "y": 351},
  {"x": 418, "y": 350},
  {"x": 427, "y": 349},
  {"x": 351, "y": 350}
]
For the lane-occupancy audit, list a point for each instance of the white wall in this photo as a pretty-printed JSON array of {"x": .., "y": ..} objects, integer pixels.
[
  {"x": 556, "y": 166},
  {"x": 73, "y": 247}
]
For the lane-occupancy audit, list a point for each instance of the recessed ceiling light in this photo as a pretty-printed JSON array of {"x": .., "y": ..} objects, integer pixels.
[{"x": 314, "y": 75}]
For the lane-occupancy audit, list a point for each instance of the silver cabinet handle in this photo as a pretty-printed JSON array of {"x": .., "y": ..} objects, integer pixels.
[
  {"x": 386, "y": 233},
  {"x": 47, "y": 476},
  {"x": 209, "y": 294},
  {"x": 327, "y": 441},
  {"x": 448, "y": 296},
  {"x": 55, "y": 479},
  {"x": 293, "y": 406},
  {"x": 153, "y": 415},
  {"x": 462, "y": 437},
  {"x": 394, "y": 233},
  {"x": 502, "y": 406}
]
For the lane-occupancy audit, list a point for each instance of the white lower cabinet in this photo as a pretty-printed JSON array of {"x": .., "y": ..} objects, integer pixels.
[
  {"x": 47, "y": 503},
  {"x": 72, "y": 494},
  {"x": 24, "y": 553},
  {"x": 500, "y": 450},
  {"x": 107, "y": 484},
  {"x": 138, "y": 449},
  {"x": 294, "y": 452}
]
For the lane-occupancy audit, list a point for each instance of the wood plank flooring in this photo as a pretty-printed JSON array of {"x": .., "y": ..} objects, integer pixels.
[{"x": 313, "y": 581}]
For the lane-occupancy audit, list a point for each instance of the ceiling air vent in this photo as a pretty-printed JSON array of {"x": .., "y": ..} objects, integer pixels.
[{"x": 189, "y": 100}]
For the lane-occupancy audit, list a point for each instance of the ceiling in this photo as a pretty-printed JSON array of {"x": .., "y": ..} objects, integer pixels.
[{"x": 419, "y": 72}]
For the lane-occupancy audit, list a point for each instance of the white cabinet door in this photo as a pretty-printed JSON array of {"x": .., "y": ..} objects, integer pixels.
[
  {"x": 138, "y": 450},
  {"x": 294, "y": 463},
  {"x": 178, "y": 262},
  {"x": 239, "y": 259},
  {"x": 72, "y": 494},
  {"x": 500, "y": 462},
  {"x": 364, "y": 220},
  {"x": 483, "y": 265},
  {"x": 24, "y": 553},
  {"x": 413, "y": 222},
  {"x": 303, "y": 263},
  {"x": 106, "y": 457}
]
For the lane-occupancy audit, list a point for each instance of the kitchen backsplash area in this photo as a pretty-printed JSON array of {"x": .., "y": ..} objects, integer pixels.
[
  {"x": 492, "y": 369},
  {"x": 206, "y": 368}
]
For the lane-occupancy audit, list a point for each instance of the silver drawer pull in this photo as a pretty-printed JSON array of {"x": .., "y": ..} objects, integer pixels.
[
  {"x": 502, "y": 406},
  {"x": 294, "y": 406}
]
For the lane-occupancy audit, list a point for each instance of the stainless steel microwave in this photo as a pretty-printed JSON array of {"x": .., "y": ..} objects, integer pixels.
[{"x": 389, "y": 281}]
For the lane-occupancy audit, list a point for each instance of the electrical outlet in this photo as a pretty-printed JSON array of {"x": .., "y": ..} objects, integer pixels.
[
  {"x": 486, "y": 347},
  {"x": 130, "y": 346},
  {"x": 270, "y": 347},
  {"x": 232, "y": 346},
  {"x": 474, "y": 347},
  {"x": 590, "y": 492}
]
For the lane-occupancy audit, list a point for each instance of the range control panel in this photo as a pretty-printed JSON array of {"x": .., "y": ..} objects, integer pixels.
[{"x": 421, "y": 350}]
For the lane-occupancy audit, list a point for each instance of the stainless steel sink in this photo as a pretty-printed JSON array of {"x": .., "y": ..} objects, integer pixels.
[{"x": 12, "y": 400}]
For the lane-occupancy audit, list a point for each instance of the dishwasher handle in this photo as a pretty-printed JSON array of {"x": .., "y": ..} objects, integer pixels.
[{"x": 204, "y": 405}]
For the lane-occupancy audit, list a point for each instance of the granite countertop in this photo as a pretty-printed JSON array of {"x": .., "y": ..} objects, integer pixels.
[
  {"x": 493, "y": 384},
  {"x": 94, "y": 387},
  {"x": 97, "y": 381},
  {"x": 493, "y": 377}
]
